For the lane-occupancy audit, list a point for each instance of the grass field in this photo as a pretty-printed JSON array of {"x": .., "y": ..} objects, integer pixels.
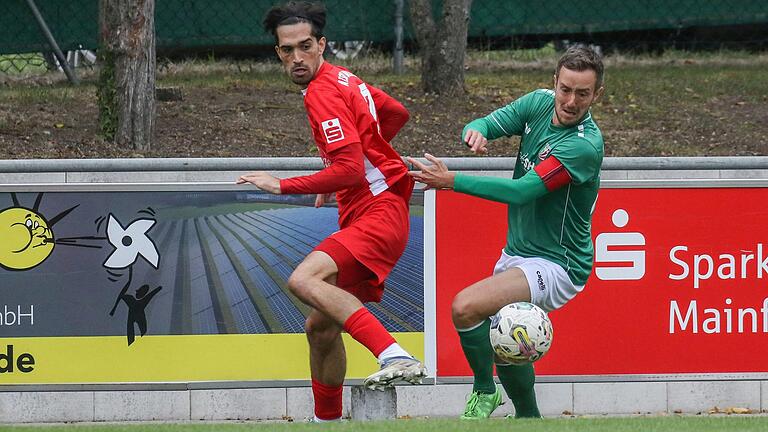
[{"x": 614, "y": 424}]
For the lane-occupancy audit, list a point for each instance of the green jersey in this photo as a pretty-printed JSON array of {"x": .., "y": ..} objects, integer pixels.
[{"x": 552, "y": 224}]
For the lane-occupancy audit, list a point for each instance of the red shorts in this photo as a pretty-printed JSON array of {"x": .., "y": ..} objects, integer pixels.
[
  {"x": 373, "y": 240},
  {"x": 353, "y": 276}
]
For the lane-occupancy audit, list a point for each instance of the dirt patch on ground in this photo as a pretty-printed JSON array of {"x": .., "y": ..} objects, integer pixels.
[{"x": 247, "y": 119}]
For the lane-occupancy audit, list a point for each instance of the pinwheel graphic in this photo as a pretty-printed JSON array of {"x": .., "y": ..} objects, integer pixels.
[{"x": 130, "y": 242}]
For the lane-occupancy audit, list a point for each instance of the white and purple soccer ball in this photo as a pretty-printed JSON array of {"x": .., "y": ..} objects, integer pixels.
[{"x": 520, "y": 333}]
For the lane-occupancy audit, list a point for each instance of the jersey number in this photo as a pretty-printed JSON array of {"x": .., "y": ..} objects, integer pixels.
[{"x": 369, "y": 98}]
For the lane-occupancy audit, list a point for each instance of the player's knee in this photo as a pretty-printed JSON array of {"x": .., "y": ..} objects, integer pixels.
[
  {"x": 462, "y": 311},
  {"x": 319, "y": 333},
  {"x": 299, "y": 284}
]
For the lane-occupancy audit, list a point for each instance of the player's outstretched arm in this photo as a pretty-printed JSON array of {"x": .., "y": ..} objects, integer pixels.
[
  {"x": 262, "y": 180},
  {"x": 505, "y": 190},
  {"x": 346, "y": 170},
  {"x": 435, "y": 176}
]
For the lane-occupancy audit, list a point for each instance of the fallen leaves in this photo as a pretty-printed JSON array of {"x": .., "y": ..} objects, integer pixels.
[{"x": 730, "y": 410}]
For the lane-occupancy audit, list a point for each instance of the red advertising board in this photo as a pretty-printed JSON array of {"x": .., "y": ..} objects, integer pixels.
[{"x": 680, "y": 283}]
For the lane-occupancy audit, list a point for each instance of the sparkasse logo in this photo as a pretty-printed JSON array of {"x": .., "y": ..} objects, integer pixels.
[
  {"x": 633, "y": 260},
  {"x": 332, "y": 130}
]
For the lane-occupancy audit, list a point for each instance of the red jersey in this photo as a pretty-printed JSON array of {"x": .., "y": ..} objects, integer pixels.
[{"x": 344, "y": 113}]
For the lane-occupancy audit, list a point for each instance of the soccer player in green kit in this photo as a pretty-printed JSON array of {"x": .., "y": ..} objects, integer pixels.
[{"x": 548, "y": 255}]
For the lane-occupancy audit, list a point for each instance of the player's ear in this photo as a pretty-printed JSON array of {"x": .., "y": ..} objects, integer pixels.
[
  {"x": 321, "y": 44},
  {"x": 599, "y": 93}
]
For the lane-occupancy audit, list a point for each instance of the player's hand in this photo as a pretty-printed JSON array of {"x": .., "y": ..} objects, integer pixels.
[
  {"x": 435, "y": 175},
  {"x": 321, "y": 199},
  {"x": 476, "y": 142},
  {"x": 261, "y": 180}
]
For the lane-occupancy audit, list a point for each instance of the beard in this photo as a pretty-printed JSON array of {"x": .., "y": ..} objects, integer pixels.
[
  {"x": 303, "y": 79},
  {"x": 567, "y": 123}
]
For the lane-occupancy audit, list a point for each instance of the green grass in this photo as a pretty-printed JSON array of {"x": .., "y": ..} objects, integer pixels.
[
  {"x": 623, "y": 424},
  {"x": 55, "y": 93},
  {"x": 546, "y": 52}
]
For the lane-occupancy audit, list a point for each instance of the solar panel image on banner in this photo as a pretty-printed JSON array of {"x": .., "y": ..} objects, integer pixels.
[{"x": 237, "y": 265}]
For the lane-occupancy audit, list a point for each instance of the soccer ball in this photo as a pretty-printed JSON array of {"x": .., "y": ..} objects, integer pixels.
[{"x": 520, "y": 333}]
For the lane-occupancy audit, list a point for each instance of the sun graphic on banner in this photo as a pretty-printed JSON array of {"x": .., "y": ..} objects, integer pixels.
[{"x": 26, "y": 236}]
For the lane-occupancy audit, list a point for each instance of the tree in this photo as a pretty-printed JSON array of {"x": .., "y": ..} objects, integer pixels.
[
  {"x": 126, "y": 89},
  {"x": 443, "y": 44}
]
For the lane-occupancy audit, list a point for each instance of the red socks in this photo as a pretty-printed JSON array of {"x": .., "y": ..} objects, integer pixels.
[
  {"x": 327, "y": 401},
  {"x": 366, "y": 329}
]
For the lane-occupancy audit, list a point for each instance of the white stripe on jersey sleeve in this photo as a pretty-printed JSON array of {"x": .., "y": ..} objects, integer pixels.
[{"x": 499, "y": 124}]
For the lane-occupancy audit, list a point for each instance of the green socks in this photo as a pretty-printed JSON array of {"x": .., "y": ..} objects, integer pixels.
[
  {"x": 518, "y": 383},
  {"x": 479, "y": 353},
  {"x": 517, "y": 380}
]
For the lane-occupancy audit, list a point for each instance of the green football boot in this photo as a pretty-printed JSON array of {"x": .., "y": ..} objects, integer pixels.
[{"x": 481, "y": 405}]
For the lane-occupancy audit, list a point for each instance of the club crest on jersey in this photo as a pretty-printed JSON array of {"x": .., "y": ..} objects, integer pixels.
[
  {"x": 545, "y": 152},
  {"x": 332, "y": 130},
  {"x": 344, "y": 77}
]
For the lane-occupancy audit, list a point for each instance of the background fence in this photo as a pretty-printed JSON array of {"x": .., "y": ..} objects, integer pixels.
[{"x": 234, "y": 26}]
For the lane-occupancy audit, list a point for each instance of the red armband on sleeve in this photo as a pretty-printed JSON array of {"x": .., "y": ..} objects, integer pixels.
[{"x": 552, "y": 173}]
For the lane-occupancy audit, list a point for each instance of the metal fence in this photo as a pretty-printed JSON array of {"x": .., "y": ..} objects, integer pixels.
[{"x": 234, "y": 26}]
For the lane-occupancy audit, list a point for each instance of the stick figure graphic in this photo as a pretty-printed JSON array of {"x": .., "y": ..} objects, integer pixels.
[
  {"x": 136, "y": 309},
  {"x": 137, "y": 306}
]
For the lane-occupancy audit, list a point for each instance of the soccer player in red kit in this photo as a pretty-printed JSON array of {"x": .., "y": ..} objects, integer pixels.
[{"x": 352, "y": 124}]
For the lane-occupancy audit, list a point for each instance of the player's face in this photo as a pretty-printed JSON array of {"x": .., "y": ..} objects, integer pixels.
[
  {"x": 574, "y": 93},
  {"x": 300, "y": 52}
]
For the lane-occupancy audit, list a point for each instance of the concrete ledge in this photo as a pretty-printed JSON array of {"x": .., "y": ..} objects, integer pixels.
[
  {"x": 554, "y": 399},
  {"x": 432, "y": 400},
  {"x": 703, "y": 396},
  {"x": 238, "y": 404},
  {"x": 441, "y": 400},
  {"x": 620, "y": 398},
  {"x": 42, "y": 407},
  {"x": 140, "y": 405}
]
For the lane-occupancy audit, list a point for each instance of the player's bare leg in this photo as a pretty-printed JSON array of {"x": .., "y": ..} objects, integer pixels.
[
  {"x": 484, "y": 298},
  {"x": 310, "y": 283},
  {"x": 327, "y": 363},
  {"x": 327, "y": 356}
]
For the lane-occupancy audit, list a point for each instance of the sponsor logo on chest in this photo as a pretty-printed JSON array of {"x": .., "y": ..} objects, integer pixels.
[
  {"x": 332, "y": 130},
  {"x": 526, "y": 162},
  {"x": 544, "y": 153}
]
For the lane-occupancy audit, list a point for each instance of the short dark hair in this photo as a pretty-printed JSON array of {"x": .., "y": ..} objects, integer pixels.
[
  {"x": 580, "y": 58},
  {"x": 295, "y": 12}
]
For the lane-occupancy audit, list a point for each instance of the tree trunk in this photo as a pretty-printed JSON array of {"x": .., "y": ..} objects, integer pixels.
[
  {"x": 126, "y": 90},
  {"x": 443, "y": 44}
]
